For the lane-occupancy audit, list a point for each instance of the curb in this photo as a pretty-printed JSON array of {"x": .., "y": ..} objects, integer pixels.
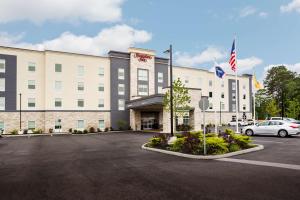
[
  {"x": 210, "y": 157},
  {"x": 33, "y": 135}
]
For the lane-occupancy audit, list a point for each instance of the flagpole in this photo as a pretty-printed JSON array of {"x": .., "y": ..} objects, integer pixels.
[
  {"x": 214, "y": 99},
  {"x": 236, "y": 90},
  {"x": 253, "y": 90}
]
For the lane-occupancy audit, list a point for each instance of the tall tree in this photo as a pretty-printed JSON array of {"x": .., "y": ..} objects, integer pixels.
[
  {"x": 272, "y": 108},
  {"x": 181, "y": 99},
  {"x": 261, "y": 101}
]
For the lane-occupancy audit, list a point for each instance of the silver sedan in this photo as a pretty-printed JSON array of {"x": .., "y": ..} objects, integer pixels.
[{"x": 273, "y": 127}]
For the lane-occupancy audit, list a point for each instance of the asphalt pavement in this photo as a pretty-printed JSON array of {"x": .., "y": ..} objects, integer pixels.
[{"x": 113, "y": 166}]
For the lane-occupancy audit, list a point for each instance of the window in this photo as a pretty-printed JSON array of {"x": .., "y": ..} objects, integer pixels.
[
  {"x": 233, "y": 86},
  {"x": 159, "y": 90},
  {"x": 101, "y": 87},
  {"x": 2, "y": 84},
  {"x": 121, "y": 74},
  {"x": 222, "y": 106},
  {"x": 210, "y": 94},
  {"x": 142, "y": 75},
  {"x": 1, "y": 126},
  {"x": 244, "y": 96},
  {"x": 210, "y": 83},
  {"x": 2, "y": 66},
  {"x": 58, "y": 68},
  {"x": 222, "y": 84},
  {"x": 101, "y": 103},
  {"x": 58, "y": 103},
  {"x": 80, "y": 124},
  {"x": 121, "y": 89},
  {"x": 2, "y": 103},
  {"x": 142, "y": 90},
  {"x": 58, "y": 85},
  {"x": 31, "y": 102},
  {"x": 31, "y": 84},
  {"x": 80, "y": 86},
  {"x": 31, "y": 67},
  {"x": 160, "y": 77},
  {"x": 244, "y": 106},
  {"x": 210, "y": 106},
  {"x": 222, "y": 95},
  {"x": 31, "y": 125},
  {"x": 186, "y": 120},
  {"x": 121, "y": 104},
  {"x": 101, "y": 71},
  {"x": 101, "y": 124},
  {"x": 266, "y": 123},
  {"x": 233, "y": 107},
  {"x": 80, "y": 70},
  {"x": 80, "y": 103}
]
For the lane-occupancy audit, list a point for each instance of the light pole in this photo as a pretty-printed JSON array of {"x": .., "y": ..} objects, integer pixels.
[
  {"x": 170, "y": 51},
  {"x": 20, "y": 111}
]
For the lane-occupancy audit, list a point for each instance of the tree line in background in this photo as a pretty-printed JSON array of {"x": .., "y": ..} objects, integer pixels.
[{"x": 280, "y": 96}]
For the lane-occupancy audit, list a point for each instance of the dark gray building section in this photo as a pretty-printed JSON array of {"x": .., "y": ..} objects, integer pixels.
[
  {"x": 161, "y": 65},
  {"x": 10, "y": 76},
  {"x": 230, "y": 92},
  {"x": 119, "y": 60}
]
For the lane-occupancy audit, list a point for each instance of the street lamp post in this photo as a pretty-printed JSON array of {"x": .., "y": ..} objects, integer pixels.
[
  {"x": 170, "y": 51},
  {"x": 20, "y": 111}
]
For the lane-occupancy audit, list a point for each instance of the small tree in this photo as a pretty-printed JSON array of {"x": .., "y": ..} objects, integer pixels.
[
  {"x": 181, "y": 99},
  {"x": 293, "y": 109},
  {"x": 272, "y": 108}
]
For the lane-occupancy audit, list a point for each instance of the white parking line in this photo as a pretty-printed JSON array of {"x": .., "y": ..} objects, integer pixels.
[
  {"x": 266, "y": 141},
  {"x": 261, "y": 163}
]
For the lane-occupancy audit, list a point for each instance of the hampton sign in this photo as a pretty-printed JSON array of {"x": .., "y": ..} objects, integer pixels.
[{"x": 142, "y": 57}]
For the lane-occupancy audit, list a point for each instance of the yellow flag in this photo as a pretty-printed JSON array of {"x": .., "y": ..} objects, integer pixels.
[{"x": 257, "y": 84}]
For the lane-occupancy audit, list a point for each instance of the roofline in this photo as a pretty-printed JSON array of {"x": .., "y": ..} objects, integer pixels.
[{"x": 48, "y": 50}]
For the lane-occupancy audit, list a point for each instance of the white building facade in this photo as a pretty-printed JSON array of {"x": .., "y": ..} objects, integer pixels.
[{"x": 61, "y": 90}]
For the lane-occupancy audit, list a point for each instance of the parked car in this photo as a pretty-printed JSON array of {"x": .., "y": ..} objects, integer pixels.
[
  {"x": 250, "y": 122},
  {"x": 240, "y": 123},
  {"x": 280, "y": 128},
  {"x": 284, "y": 118}
]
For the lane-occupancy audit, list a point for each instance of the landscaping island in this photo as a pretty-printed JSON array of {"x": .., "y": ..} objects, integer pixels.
[{"x": 191, "y": 143}]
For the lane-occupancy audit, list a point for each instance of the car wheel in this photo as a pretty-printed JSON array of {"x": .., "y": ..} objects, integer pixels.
[
  {"x": 249, "y": 132},
  {"x": 282, "y": 133}
]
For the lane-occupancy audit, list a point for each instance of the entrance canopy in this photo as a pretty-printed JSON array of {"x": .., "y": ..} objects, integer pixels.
[{"x": 153, "y": 102}]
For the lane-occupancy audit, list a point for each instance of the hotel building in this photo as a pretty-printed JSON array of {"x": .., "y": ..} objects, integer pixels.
[{"x": 61, "y": 90}]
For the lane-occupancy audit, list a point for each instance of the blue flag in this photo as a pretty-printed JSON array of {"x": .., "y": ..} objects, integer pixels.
[{"x": 220, "y": 72}]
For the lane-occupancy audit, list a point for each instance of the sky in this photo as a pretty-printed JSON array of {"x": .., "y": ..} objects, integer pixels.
[{"x": 201, "y": 32}]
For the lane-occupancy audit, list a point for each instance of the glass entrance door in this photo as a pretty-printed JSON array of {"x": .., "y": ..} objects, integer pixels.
[
  {"x": 57, "y": 127},
  {"x": 149, "y": 120}
]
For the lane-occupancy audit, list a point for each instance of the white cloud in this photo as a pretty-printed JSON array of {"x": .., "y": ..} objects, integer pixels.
[
  {"x": 263, "y": 14},
  {"x": 118, "y": 37},
  {"x": 247, "y": 11},
  {"x": 208, "y": 55},
  {"x": 293, "y": 67},
  {"x": 38, "y": 11},
  {"x": 245, "y": 65},
  {"x": 294, "y": 5}
]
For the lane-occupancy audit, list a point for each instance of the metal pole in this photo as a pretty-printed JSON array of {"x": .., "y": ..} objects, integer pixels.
[
  {"x": 282, "y": 106},
  {"x": 204, "y": 131},
  {"x": 20, "y": 110},
  {"x": 171, "y": 89},
  {"x": 220, "y": 113}
]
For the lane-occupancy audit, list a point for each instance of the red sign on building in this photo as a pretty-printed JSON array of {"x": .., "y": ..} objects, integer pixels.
[{"x": 142, "y": 57}]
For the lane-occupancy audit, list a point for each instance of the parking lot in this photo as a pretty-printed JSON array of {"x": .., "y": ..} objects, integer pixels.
[{"x": 113, "y": 166}]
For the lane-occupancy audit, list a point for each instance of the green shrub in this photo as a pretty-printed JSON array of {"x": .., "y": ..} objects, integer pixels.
[
  {"x": 211, "y": 135},
  {"x": 216, "y": 145},
  {"x": 178, "y": 144},
  {"x": 75, "y": 131},
  {"x": 234, "y": 147},
  {"x": 70, "y": 130},
  {"x": 178, "y": 135},
  {"x": 99, "y": 130},
  {"x": 158, "y": 141},
  {"x": 50, "y": 130},
  {"x": 85, "y": 131},
  {"x": 79, "y": 132},
  {"x": 197, "y": 133},
  {"x": 14, "y": 132},
  {"x": 106, "y": 129},
  {"x": 190, "y": 143},
  {"x": 111, "y": 129},
  {"x": 242, "y": 140},
  {"x": 37, "y": 131},
  {"x": 122, "y": 124},
  {"x": 183, "y": 127}
]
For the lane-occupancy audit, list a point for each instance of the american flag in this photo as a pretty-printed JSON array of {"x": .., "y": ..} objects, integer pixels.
[{"x": 232, "y": 60}]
